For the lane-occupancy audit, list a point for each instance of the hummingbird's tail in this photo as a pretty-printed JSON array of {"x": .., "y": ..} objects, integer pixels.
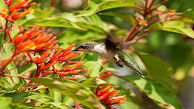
[{"x": 139, "y": 72}]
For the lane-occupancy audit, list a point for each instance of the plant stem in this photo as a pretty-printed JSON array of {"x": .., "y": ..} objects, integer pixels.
[
  {"x": 15, "y": 76},
  {"x": 141, "y": 9},
  {"x": 150, "y": 3},
  {"x": 36, "y": 74},
  {"x": 132, "y": 30},
  {"x": 38, "y": 89},
  {"x": 10, "y": 69},
  {"x": 131, "y": 35},
  {"x": 145, "y": 9},
  {"x": 5, "y": 33},
  {"x": 169, "y": 13},
  {"x": 37, "y": 71},
  {"x": 52, "y": 3},
  {"x": 134, "y": 41},
  {"x": 8, "y": 33},
  {"x": 135, "y": 34},
  {"x": 6, "y": 62},
  {"x": 156, "y": 7}
]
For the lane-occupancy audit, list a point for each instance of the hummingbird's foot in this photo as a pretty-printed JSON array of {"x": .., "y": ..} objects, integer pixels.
[{"x": 119, "y": 65}]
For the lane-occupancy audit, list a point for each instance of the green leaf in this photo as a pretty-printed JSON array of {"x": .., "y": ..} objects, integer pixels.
[
  {"x": 174, "y": 26},
  {"x": 123, "y": 16},
  {"x": 77, "y": 37},
  {"x": 49, "y": 21},
  {"x": 187, "y": 16},
  {"x": 63, "y": 22},
  {"x": 43, "y": 13},
  {"x": 5, "y": 83},
  {"x": 67, "y": 101},
  {"x": 160, "y": 71},
  {"x": 96, "y": 20},
  {"x": 7, "y": 51},
  {"x": 180, "y": 26},
  {"x": 73, "y": 90},
  {"x": 133, "y": 101},
  {"x": 187, "y": 20},
  {"x": 57, "y": 96},
  {"x": 93, "y": 64},
  {"x": 93, "y": 67},
  {"x": 188, "y": 13},
  {"x": 29, "y": 69},
  {"x": 5, "y": 103},
  {"x": 129, "y": 105},
  {"x": 2, "y": 6},
  {"x": 48, "y": 100},
  {"x": 94, "y": 82},
  {"x": 161, "y": 95},
  {"x": 88, "y": 26},
  {"x": 19, "y": 96},
  {"x": 95, "y": 7},
  {"x": 13, "y": 72}
]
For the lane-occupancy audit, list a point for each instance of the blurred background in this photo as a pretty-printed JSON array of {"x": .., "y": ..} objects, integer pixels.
[{"x": 173, "y": 48}]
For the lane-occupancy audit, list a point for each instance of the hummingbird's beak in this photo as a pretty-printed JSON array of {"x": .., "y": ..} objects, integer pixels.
[{"x": 76, "y": 49}]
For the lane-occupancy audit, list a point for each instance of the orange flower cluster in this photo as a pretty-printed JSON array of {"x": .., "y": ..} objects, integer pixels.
[
  {"x": 32, "y": 40},
  {"x": 109, "y": 98},
  {"x": 12, "y": 14},
  {"x": 106, "y": 75},
  {"x": 50, "y": 58}
]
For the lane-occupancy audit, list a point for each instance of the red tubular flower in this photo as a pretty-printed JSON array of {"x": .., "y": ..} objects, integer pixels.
[
  {"x": 71, "y": 67},
  {"x": 69, "y": 78},
  {"x": 106, "y": 75},
  {"x": 33, "y": 41},
  {"x": 49, "y": 58},
  {"x": 71, "y": 72},
  {"x": 9, "y": 2},
  {"x": 109, "y": 98},
  {"x": 16, "y": 16},
  {"x": 13, "y": 14}
]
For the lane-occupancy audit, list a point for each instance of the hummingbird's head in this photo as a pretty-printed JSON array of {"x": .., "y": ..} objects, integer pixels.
[{"x": 86, "y": 46}]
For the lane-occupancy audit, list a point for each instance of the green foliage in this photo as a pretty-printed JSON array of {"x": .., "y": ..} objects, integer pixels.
[
  {"x": 5, "y": 103},
  {"x": 13, "y": 72},
  {"x": 160, "y": 71},
  {"x": 187, "y": 16},
  {"x": 48, "y": 100},
  {"x": 53, "y": 22},
  {"x": 83, "y": 25},
  {"x": 123, "y": 16},
  {"x": 162, "y": 96},
  {"x": 7, "y": 51},
  {"x": 153, "y": 33},
  {"x": 23, "y": 96},
  {"x": 73, "y": 90},
  {"x": 94, "y": 82},
  {"x": 174, "y": 26},
  {"x": 95, "y": 6}
]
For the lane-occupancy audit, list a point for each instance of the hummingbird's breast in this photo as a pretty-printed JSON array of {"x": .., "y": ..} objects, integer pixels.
[{"x": 102, "y": 51}]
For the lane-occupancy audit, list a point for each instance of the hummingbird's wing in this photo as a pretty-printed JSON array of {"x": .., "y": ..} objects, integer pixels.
[
  {"x": 129, "y": 62},
  {"x": 115, "y": 44},
  {"x": 112, "y": 42}
]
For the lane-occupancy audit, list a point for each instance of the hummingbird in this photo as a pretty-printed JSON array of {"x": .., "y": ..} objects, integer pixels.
[{"x": 112, "y": 50}]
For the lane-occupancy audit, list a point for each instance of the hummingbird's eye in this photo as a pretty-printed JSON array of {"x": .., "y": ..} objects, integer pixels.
[{"x": 84, "y": 46}]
